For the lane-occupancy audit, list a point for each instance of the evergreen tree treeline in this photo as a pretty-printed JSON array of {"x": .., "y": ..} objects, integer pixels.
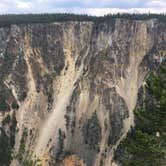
[{"x": 8, "y": 19}]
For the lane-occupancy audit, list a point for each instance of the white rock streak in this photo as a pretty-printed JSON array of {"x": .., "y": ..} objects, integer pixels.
[{"x": 56, "y": 119}]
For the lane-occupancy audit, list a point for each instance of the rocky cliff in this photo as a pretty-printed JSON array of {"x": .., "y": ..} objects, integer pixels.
[{"x": 69, "y": 89}]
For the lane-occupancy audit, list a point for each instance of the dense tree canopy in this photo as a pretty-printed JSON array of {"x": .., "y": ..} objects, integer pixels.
[
  {"x": 6, "y": 20},
  {"x": 146, "y": 144}
]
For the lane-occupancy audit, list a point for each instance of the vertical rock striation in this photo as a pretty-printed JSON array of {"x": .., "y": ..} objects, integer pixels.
[{"x": 76, "y": 85}]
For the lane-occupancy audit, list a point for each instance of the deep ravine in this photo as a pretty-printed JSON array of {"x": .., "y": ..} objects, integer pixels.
[{"x": 76, "y": 85}]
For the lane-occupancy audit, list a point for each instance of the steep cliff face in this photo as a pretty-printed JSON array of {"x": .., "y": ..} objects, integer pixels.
[{"x": 74, "y": 86}]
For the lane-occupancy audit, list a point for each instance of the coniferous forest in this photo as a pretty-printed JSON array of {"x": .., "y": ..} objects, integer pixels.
[
  {"x": 145, "y": 145},
  {"x": 7, "y": 20}
]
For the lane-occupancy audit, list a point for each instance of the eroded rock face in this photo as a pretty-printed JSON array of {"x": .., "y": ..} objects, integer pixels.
[{"x": 76, "y": 85}]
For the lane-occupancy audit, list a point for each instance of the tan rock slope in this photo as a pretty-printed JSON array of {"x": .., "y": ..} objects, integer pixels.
[{"x": 76, "y": 85}]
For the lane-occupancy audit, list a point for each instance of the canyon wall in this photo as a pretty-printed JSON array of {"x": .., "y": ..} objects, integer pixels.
[{"x": 72, "y": 86}]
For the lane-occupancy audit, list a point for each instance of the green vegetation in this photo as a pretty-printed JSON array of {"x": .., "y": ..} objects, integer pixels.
[
  {"x": 60, "y": 153},
  {"x": 22, "y": 145},
  {"x": 6, "y": 96},
  {"x": 7, "y": 140},
  {"x": 5, "y": 150},
  {"x": 6, "y": 99},
  {"x": 48, "y": 89},
  {"x": 6, "y": 120},
  {"x": 92, "y": 132},
  {"x": 13, "y": 129},
  {"x": 7, "y": 63},
  {"x": 7, "y": 20},
  {"x": 15, "y": 105},
  {"x": 57, "y": 158},
  {"x": 146, "y": 144},
  {"x": 3, "y": 105},
  {"x": 25, "y": 157}
]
